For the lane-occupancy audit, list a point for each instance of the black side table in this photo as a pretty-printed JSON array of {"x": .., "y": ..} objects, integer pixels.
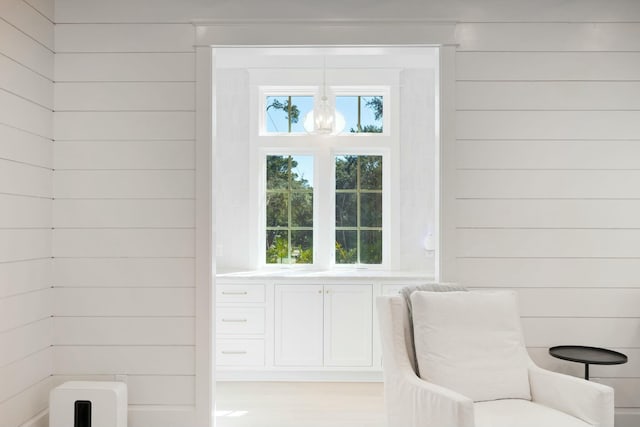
[{"x": 588, "y": 355}]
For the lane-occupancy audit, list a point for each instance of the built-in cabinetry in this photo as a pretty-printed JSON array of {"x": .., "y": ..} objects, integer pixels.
[
  {"x": 240, "y": 325},
  {"x": 299, "y": 328},
  {"x": 323, "y": 325}
]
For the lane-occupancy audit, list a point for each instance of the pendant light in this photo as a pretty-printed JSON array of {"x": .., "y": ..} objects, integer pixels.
[{"x": 324, "y": 119}]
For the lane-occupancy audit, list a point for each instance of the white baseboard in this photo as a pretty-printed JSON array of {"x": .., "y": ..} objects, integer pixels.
[{"x": 299, "y": 376}]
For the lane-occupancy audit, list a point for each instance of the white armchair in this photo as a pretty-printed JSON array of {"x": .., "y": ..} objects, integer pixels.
[{"x": 557, "y": 400}]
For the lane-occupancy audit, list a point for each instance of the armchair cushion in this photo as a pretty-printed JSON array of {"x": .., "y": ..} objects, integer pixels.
[
  {"x": 471, "y": 342},
  {"x": 521, "y": 413}
]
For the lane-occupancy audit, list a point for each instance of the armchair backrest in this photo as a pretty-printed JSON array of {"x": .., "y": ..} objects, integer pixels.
[{"x": 398, "y": 353}]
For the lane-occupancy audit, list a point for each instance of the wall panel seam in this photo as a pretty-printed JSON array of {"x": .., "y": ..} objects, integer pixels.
[
  {"x": 38, "y": 382},
  {"x": 462, "y": 50},
  {"x": 127, "y": 81},
  {"x": 157, "y": 111},
  {"x": 38, "y": 11},
  {"x": 554, "y": 257},
  {"x": 33, "y": 165},
  {"x": 17, "y": 95},
  {"x": 29, "y": 36},
  {"x": 49, "y": 137},
  {"x": 500, "y": 110},
  {"x": 546, "y": 80},
  {"x": 24, "y": 325},
  {"x": 32, "y": 291},
  {"x": 27, "y": 67}
]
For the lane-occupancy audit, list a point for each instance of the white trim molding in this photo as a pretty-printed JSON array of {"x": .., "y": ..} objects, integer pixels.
[
  {"x": 262, "y": 33},
  {"x": 278, "y": 33}
]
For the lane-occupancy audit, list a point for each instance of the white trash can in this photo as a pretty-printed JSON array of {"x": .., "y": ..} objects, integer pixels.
[{"x": 88, "y": 404}]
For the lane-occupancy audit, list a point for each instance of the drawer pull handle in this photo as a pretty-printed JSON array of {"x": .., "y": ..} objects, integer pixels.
[
  {"x": 234, "y": 292},
  {"x": 234, "y": 352},
  {"x": 235, "y": 320}
]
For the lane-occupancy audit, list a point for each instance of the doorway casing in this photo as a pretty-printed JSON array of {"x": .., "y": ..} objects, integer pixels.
[{"x": 220, "y": 34}]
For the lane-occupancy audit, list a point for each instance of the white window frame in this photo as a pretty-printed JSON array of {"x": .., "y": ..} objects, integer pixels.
[
  {"x": 324, "y": 149},
  {"x": 265, "y": 91},
  {"x": 262, "y": 205},
  {"x": 385, "y": 153},
  {"x": 383, "y": 91}
]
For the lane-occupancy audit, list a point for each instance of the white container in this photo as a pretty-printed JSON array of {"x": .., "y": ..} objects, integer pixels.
[{"x": 77, "y": 403}]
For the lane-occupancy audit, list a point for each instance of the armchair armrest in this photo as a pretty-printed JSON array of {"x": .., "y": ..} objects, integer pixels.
[
  {"x": 413, "y": 402},
  {"x": 589, "y": 401}
]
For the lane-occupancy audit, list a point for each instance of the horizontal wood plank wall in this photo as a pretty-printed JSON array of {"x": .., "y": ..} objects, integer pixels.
[
  {"x": 123, "y": 244},
  {"x": 26, "y": 142},
  {"x": 548, "y": 169}
]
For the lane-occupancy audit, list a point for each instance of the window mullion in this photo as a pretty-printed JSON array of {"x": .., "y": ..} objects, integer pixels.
[
  {"x": 289, "y": 198},
  {"x": 358, "y": 203}
]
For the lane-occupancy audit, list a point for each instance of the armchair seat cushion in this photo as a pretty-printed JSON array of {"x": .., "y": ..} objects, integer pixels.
[{"x": 521, "y": 413}]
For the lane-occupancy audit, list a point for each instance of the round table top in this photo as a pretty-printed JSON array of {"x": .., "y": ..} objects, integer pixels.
[{"x": 591, "y": 355}]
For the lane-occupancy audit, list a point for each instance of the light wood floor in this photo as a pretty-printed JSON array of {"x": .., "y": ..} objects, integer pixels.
[{"x": 289, "y": 404}]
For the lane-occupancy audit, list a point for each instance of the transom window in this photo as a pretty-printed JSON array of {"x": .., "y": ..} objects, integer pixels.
[
  {"x": 363, "y": 114},
  {"x": 285, "y": 114},
  {"x": 288, "y": 113}
]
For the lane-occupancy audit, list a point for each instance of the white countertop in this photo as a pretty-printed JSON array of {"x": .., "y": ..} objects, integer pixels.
[{"x": 338, "y": 274}]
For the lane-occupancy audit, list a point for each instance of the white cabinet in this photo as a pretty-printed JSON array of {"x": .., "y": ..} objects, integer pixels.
[
  {"x": 240, "y": 319},
  {"x": 348, "y": 325},
  {"x": 328, "y": 325},
  {"x": 298, "y": 325}
]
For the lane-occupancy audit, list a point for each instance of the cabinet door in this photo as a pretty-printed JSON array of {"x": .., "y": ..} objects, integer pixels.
[
  {"x": 348, "y": 317},
  {"x": 298, "y": 325}
]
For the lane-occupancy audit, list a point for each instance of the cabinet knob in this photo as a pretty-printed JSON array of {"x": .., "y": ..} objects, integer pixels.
[{"x": 319, "y": 292}]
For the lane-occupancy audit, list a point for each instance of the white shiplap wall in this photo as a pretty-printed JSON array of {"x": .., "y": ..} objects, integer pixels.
[
  {"x": 548, "y": 167},
  {"x": 26, "y": 132},
  {"x": 123, "y": 243}
]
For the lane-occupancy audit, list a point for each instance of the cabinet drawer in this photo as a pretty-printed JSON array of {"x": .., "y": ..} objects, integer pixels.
[
  {"x": 240, "y": 353},
  {"x": 239, "y": 293},
  {"x": 239, "y": 320},
  {"x": 392, "y": 290}
]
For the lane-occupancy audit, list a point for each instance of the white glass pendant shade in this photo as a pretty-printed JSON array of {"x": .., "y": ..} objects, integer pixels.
[{"x": 324, "y": 119}]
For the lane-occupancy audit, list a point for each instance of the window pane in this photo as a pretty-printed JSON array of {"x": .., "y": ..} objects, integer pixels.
[
  {"x": 359, "y": 209},
  {"x": 346, "y": 210},
  {"x": 363, "y": 114},
  {"x": 346, "y": 247},
  {"x": 346, "y": 172},
  {"x": 371, "y": 172},
  {"x": 277, "y": 247},
  {"x": 277, "y": 172},
  {"x": 289, "y": 207},
  {"x": 371, "y": 246},
  {"x": 285, "y": 114},
  {"x": 371, "y": 209},
  {"x": 302, "y": 209},
  {"x": 302, "y": 247},
  {"x": 302, "y": 172},
  {"x": 277, "y": 210}
]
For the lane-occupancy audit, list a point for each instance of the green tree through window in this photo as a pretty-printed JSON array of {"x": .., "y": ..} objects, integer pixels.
[
  {"x": 289, "y": 213},
  {"x": 358, "y": 209},
  {"x": 363, "y": 114}
]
